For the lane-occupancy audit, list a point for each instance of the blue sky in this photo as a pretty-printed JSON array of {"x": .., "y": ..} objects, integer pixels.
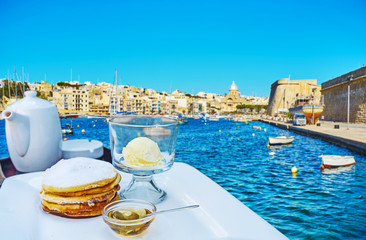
[{"x": 187, "y": 45}]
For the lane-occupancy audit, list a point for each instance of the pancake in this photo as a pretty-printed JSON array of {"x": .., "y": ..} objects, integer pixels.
[
  {"x": 91, "y": 198},
  {"x": 78, "y": 174},
  {"x": 102, "y": 189},
  {"x": 79, "y": 187},
  {"x": 76, "y": 210}
]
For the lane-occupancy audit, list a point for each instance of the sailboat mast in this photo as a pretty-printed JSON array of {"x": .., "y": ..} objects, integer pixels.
[
  {"x": 23, "y": 80},
  {"x": 3, "y": 97},
  {"x": 16, "y": 85},
  {"x": 9, "y": 83},
  {"x": 115, "y": 93},
  {"x": 288, "y": 90}
]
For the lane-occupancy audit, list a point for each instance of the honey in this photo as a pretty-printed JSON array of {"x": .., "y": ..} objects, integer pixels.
[{"x": 132, "y": 222}]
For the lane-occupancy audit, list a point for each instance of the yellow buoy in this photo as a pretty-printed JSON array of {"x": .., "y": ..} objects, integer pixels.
[
  {"x": 139, "y": 134},
  {"x": 205, "y": 123},
  {"x": 238, "y": 139},
  {"x": 78, "y": 126},
  {"x": 268, "y": 145},
  {"x": 219, "y": 130},
  {"x": 294, "y": 170},
  {"x": 94, "y": 125}
]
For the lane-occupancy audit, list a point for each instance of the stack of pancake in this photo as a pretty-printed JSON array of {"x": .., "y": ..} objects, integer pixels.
[{"x": 79, "y": 187}]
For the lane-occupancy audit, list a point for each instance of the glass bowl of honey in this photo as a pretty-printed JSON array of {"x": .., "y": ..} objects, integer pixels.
[{"x": 129, "y": 217}]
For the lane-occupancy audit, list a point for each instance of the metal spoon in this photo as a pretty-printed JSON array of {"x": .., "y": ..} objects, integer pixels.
[{"x": 170, "y": 210}]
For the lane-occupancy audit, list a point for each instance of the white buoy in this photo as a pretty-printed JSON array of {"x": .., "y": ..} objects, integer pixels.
[
  {"x": 253, "y": 134},
  {"x": 265, "y": 130},
  {"x": 83, "y": 131}
]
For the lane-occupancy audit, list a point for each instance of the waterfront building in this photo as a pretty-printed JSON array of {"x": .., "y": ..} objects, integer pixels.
[
  {"x": 106, "y": 98},
  {"x": 178, "y": 101},
  {"x": 335, "y": 92},
  {"x": 155, "y": 104},
  {"x": 201, "y": 94},
  {"x": 80, "y": 100},
  {"x": 171, "y": 105},
  {"x": 197, "y": 105},
  {"x": 63, "y": 99},
  {"x": 99, "y": 99},
  {"x": 44, "y": 88},
  {"x": 285, "y": 93},
  {"x": 231, "y": 100},
  {"x": 71, "y": 100},
  {"x": 116, "y": 99},
  {"x": 132, "y": 103}
]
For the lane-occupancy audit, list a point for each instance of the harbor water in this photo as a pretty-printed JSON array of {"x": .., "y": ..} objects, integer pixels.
[{"x": 308, "y": 205}]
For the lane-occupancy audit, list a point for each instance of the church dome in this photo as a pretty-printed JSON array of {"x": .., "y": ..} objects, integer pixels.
[{"x": 233, "y": 86}]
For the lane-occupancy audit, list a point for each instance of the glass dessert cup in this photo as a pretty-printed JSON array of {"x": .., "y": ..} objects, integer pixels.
[
  {"x": 128, "y": 218},
  {"x": 143, "y": 146}
]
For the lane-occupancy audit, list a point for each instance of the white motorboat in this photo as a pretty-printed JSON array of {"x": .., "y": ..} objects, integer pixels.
[
  {"x": 280, "y": 140},
  {"x": 214, "y": 118},
  {"x": 67, "y": 130},
  {"x": 337, "y": 160}
]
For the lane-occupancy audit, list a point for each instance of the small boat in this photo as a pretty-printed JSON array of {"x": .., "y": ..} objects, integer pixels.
[
  {"x": 280, "y": 140},
  {"x": 71, "y": 115},
  {"x": 243, "y": 120},
  {"x": 182, "y": 121},
  {"x": 213, "y": 118},
  {"x": 95, "y": 116},
  {"x": 337, "y": 160},
  {"x": 67, "y": 130},
  {"x": 257, "y": 127}
]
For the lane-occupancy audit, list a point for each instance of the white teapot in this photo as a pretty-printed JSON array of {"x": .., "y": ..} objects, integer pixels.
[{"x": 33, "y": 133}]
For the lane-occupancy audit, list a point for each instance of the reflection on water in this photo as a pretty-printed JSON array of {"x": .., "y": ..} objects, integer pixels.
[{"x": 337, "y": 170}]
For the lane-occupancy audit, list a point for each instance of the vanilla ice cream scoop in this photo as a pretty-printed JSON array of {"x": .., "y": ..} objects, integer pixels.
[{"x": 142, "y": 152}]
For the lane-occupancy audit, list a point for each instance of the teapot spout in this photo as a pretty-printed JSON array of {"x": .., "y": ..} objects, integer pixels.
[
  {"x": 18, "y": 130},
  {"x": 8, "y": 115}
]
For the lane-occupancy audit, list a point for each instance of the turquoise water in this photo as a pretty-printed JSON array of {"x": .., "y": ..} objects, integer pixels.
[{"x": 309, "y": 205}]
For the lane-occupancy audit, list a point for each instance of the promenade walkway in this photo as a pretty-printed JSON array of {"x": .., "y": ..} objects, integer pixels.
[{"x": 353, "y": 138}]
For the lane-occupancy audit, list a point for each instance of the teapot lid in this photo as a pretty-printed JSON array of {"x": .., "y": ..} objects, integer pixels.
[{"x": 31, "y": 101}]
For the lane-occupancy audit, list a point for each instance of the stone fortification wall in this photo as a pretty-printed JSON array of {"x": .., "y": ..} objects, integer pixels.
[
  {"x": 284, "y": 92},
  {"x": 335, "y": 93}
]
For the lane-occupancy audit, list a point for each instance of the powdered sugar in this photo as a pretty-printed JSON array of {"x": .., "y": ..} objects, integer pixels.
[{"x": 77, "y": 171}]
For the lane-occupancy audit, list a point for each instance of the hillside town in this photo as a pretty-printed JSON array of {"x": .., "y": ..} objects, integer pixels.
[{"x": 104, "y": 99}]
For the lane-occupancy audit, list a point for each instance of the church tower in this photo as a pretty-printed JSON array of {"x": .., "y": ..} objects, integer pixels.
[{"x": 233, "y": 91}]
